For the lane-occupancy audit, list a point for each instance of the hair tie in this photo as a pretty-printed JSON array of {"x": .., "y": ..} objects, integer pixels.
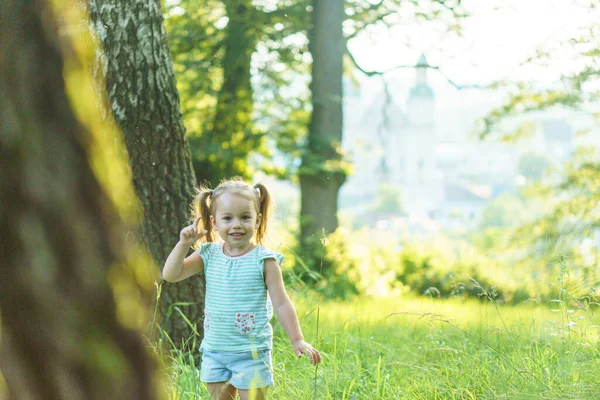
[
  {"x": 212, "y": 193},
  {"x": 256, "y": 186}
]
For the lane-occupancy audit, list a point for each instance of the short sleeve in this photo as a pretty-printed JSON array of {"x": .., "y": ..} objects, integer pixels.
[
  {"x": 264, "y": 254},
  {"x": 205, "y": 251}
]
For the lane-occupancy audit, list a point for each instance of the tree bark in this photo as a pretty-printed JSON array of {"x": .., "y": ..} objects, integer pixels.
[
  {"x": 321, "y": 175},
  {"x": 61, "y": 235},
  {"x": 145, "y": 102}
]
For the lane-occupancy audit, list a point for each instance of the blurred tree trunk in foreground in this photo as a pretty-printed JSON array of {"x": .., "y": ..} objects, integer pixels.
[
  {"x": 141, "y": 88},
  {"x": 321, "y": 173},
  {"x": 62, "y": 333}
]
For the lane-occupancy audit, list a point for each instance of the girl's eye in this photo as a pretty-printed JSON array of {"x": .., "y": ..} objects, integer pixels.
[
  {"x": 246, "y": 217},
  {"x": 226, "y": 218}
]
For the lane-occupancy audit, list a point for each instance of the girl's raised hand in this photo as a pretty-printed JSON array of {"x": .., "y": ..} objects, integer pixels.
[{"x": 191, "y": 234}]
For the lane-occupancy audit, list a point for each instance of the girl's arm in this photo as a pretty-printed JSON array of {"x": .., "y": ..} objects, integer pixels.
[
  {"x": 178, "y": 267},
  {"x": 286, "y": 312}
]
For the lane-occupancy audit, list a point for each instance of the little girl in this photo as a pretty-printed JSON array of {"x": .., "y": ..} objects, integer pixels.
[{"x": 243, "y": 286}]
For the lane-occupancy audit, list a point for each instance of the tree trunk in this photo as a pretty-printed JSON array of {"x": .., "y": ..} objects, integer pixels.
[
  {"x": 321, "y": 174},
  {"x": 233, "y": 118},
  {"x": 61, "y": 234},
  {"x": 141, "y": 88}
]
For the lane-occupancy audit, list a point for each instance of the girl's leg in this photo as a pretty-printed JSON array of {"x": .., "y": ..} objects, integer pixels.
[
  {"x": 254, "y": 394},
  {"x": 222, "y": 391}
]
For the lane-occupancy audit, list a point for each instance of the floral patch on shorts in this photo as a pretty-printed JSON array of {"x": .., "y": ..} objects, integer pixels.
[{"x": 244, "y": 323}]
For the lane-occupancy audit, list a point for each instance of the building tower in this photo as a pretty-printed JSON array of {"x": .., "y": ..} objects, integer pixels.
[{"x": 413, "y": 154}]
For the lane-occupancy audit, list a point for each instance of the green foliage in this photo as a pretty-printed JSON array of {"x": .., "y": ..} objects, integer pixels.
[
  {"x": 533, "y": 166},
  {"x": 568, "y": 218},
  {"x": 505, "y": 211},
  {"x": 217, "y": 106},
  {"x": 514, "y": 250},
  {"x": 524, "y": 100},
  {"x": 315, "y": 163},
  {"x": 196, "y": 46},
  {"x": 388, "y": 200},
  {"x": 324, "y": 264},
  {"x": 346, "y": 263},
  {"x": 237, "y": 111},
  {"x": 341, "y": 277},
  {"x": 562, "y": 218},
  {"x": 370, "y": 262},
  {"x": 236, "y": 129},
  {"x": 364, "y": 13},
  {"x": 576, "y": 89},
  {"x": 446, "y": 271},
  {"x": 573, "y": 215}
]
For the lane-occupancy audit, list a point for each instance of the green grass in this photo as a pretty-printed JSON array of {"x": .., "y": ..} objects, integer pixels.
[{"x": 430, "y": 349}]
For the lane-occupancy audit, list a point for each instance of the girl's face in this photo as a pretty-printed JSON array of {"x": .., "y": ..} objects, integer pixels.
[{"x": 235, "y": 219}]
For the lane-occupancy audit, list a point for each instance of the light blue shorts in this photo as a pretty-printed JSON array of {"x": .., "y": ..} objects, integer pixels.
[{"x": 247, "y": 370}]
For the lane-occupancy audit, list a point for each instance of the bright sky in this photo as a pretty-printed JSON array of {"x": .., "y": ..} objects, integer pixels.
[{"x": 498, "y": 36}]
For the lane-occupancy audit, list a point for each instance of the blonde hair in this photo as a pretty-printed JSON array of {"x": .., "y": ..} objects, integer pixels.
[{"x": 204, "y": 204}]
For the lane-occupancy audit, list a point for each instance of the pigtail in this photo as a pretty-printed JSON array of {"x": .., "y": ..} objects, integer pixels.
[
  {"x": 265, "y": 206},
  {"x": 202, "y": 209}
]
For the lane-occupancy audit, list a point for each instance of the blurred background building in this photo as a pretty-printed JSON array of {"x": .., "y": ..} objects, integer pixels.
[{"x": 398, "y": 137}]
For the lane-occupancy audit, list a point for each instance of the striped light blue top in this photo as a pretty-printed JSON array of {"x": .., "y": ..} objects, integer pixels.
[{"x": 237, "y": 307}]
